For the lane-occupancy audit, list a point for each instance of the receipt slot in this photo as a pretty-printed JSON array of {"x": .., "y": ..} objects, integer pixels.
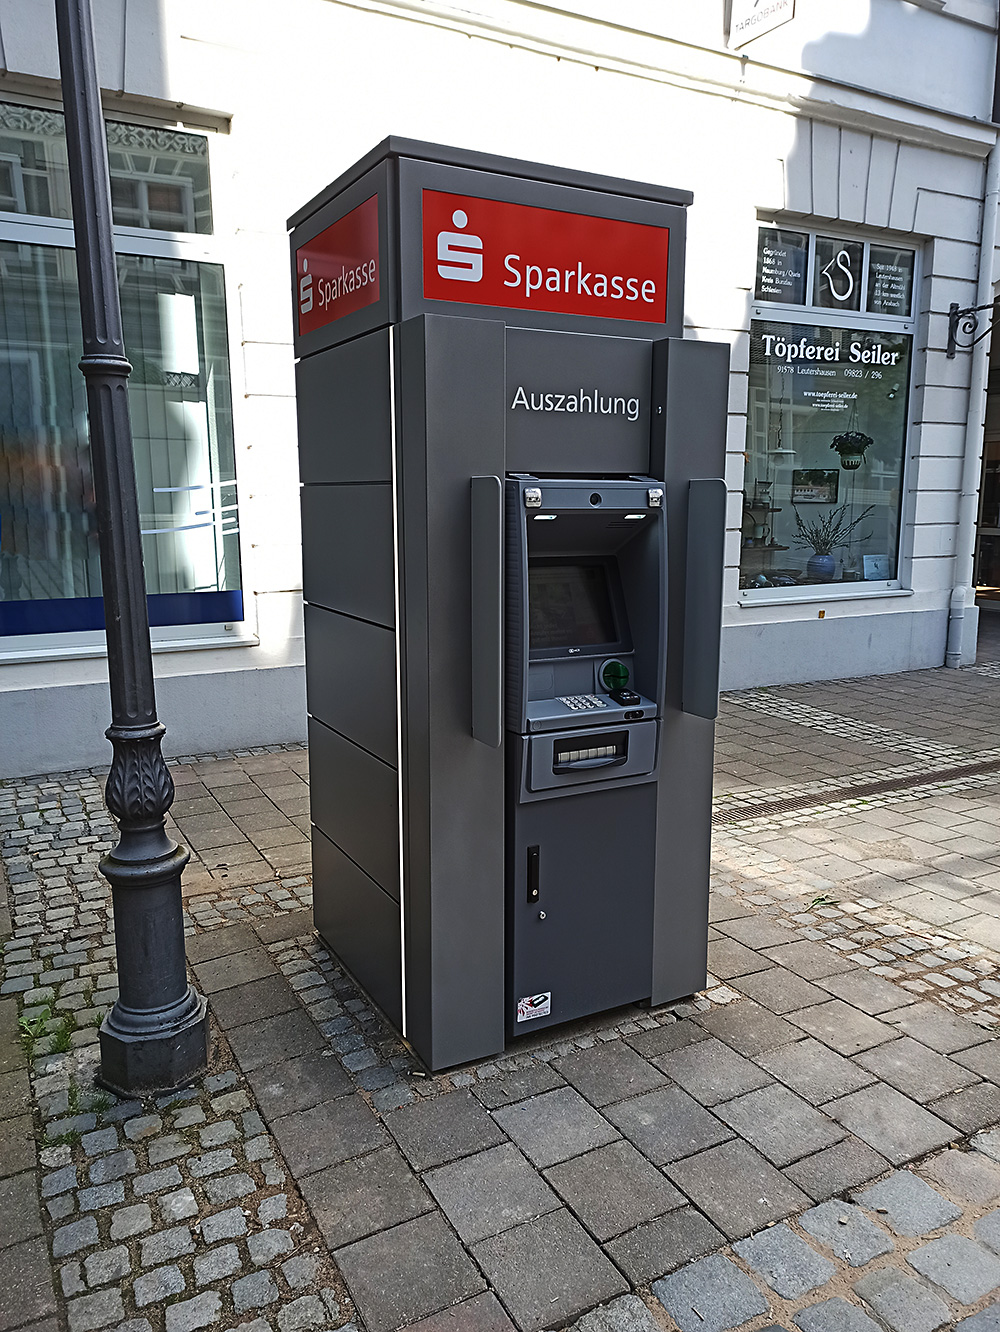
[{"x": 513, "y": 513}]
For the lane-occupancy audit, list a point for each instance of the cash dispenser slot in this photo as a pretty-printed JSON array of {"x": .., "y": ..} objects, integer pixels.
[
  {"x": 567, "y": 758},
  {"x": 610, "y": 751}
]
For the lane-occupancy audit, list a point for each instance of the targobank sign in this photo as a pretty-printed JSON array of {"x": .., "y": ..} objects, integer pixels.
[{"x": 752, "y": 18}]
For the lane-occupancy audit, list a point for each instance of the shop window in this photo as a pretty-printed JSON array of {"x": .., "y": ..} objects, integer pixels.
[
  {"x": 827, "y": 417},
  {"x": 174, "y": 316}
]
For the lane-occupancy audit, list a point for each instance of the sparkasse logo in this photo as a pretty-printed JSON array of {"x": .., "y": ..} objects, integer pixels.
[
  {"x": 490, "y": 252},
  {"x": 338, "y": 270}
]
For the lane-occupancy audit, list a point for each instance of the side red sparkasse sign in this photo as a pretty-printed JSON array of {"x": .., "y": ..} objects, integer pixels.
[
  {"x": 488, "y": 252},
  {"x": 338, "y": 270}
]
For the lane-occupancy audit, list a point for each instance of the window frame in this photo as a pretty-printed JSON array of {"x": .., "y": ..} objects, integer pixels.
[{"x": 786, "y": 313}]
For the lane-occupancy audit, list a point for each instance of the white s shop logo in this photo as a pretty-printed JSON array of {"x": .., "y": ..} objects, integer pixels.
[
  {"x": 460, "y": 256},
  {"x": 305, "y": 289}
]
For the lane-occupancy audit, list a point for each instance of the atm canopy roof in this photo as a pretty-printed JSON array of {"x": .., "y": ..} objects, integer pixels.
[{"x": 414, "y": 149}]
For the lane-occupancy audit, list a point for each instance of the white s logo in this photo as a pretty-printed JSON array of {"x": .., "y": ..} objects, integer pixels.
[
  {"x": 305, "y": 289},
  {"x": 460, "y": 256}
]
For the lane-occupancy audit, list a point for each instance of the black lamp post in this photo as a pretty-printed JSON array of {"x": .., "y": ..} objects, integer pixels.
[{"x": 156, "y": 1035}]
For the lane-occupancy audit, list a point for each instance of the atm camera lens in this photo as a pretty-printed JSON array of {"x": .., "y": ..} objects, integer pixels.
[{"x": 595, "y": 499}]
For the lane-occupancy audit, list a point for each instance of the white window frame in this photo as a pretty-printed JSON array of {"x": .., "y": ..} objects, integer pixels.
[{"x": 783, "y": 313}]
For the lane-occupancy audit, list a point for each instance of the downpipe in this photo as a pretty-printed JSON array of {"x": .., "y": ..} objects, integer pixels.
[{"x": 963, "y": 593}]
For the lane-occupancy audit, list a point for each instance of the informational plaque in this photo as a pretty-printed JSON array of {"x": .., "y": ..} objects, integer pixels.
[
  {"x": 781, "y": 266},
  {"x": 837, "y": 276},
  {"x": 890, "y": 281}
]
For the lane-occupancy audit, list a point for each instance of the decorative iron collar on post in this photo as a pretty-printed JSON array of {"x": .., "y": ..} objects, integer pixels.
[{"x": 968, "y": 321}]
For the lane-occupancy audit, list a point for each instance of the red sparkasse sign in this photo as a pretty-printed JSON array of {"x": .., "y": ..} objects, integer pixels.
[
  {"x": 487, "y": 252},
  {"x": 337, "y": 272}
]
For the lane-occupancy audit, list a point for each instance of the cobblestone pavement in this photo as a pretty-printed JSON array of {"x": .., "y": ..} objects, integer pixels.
[{"x": 809, "y": 1144}]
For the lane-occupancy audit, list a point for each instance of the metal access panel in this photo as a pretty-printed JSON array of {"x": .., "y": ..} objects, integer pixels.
[{"x": 500, "y": 843}]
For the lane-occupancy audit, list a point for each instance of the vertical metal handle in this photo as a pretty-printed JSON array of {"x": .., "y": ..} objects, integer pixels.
[
  {"x": 487, "y": 610},
  {"x": 706, "y": 530},
  {"x": 533, "y": 886}
]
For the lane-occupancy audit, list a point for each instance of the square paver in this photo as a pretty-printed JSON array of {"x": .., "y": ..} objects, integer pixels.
[
  {"x": 810, "y": 960},
  {"x": 846, "y": 1029},
  {"x": 548, "y": 1270},
  {"x": 660, "y": 1246},
  {"x": 915, "y": 1070},
  {"x": 489, "y": 1192},
  {"x": 934, "y": 1026},
  {"x": 609, "y": 1071},
  {"x": 835, "y": 1315},
  {"x": 711, "y": 1072},
  {"x": 815, "y": 1071},
  {"x": 297, "y": 1084},
  {"x": 19, "y": 1215},
  {"x": 758, "y": 931},
  {"x": 613, "y": 1189},
  {"x": 970, "y": 1109},
  {"x": 780, "y": 1124},
  {"x": 223, "y": 973},
  {"x": 667, "y": 1038},
  {"x": 982, "y": 1059},
  {"x": 748, "y": 1027},
  {"x": 555, "y": 1126},
  {"x": 785, "y": 1261},
  {"x": 872, "y": 994},
  {"x": 483, "y": 1313},
  {"x": 736, "y": 1188},
  {"x": 908, "y": 1204},
  {"x": 958, "y": 1265},
  {"x": 219, "y": 943},
  {"x": 729, "y": 960},
  {"x": 847, "y": 1232},
  {"x": 845, "y": 1165},
  {"x": 970, "y": 1177},
  {"x": 408, "y": 1272},
  {"x": 443, "y": 1128},
  {"x": 517, "y": 1085},
  {"x": 890, "y": 1122},
  {"x": 27, "y": 1287},
  {"x": 904, "y": 1304},
  {"x": 275, "y": 1039},
  {"x": 987, "y": 1230},
  {"x": 668, "y": 1124},
  {"x": 17, "y": 1145},
  {"x": 327, "y": 1134},
  {"x": 359, "y": 1197},
  {"x": 780, "y": 990},
  {"x": 711, "y": 1295},
  {"x": 256, "y": 999}
]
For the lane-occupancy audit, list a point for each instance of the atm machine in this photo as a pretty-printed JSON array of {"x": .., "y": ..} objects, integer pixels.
[{"x": 513, "y": 517}]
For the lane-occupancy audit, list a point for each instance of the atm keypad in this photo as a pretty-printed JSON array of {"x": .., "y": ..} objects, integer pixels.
[{"x": 582, "y": 702}]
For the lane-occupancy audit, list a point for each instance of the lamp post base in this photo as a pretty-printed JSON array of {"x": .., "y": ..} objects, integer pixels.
[{"x": 138, "y": 1059}]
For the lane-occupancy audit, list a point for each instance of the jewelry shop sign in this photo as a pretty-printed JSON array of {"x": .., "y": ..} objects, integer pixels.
[{"x": 752, "y": 18}]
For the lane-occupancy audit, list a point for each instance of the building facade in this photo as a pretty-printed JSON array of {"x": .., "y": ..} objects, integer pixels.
[{"x": 845, "y": 179}]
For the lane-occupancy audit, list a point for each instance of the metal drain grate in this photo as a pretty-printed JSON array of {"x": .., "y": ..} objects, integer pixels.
[{"x": 816, "y": 799}]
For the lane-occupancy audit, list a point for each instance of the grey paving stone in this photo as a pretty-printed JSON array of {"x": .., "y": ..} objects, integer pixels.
[
  {"x": 890, "y": 1122},
  {"x": 780, "y": 990},
  {"x": 908, "y": 1204},
  {"x": 217, "y": 1264},
  {"x": 300, "y": 1271},
  {"x": 88, "y": 1312},
  {"x": 846, "y": 1230},
  {"x": 489, "y": 1192},
  {"x": 155, "y": 1180},
  {"x": 211, "y": 1163},
  {"x": 190, "y": 1314},
  {"x": 101, "y": 1195},
  {"x": 711, "y": 1072},
  {"x": 835, "y": 1315},
  {"x": 275, "y": 1039},
  {"x": 872, "y": 994},
  {"x": 982, "y": 1059},
  {"x": 815, "y": 1071},
  {"x": 129, "y": 1221},
  {"x": 845, "y": 1165},
  {"x": 613, "y": 1189},
  {"x": 968, "y": 1176},
  {"x": 555, "y": 1126},
  {"x": 267, "y": 1245},
  {"x": 224, "y": 1225},
  {"x": 27, "y": 1289},
  {"x": 58, "y": 1181},
  {"x": 667, "y": 1124},
  {"x": 610, "y": 1071},
  {"x": 758, "y": 931},
  {"x": 517, "y": 1085},
  {"x": 710, "y": 1295},
  {"x": 844, "y": 1028},
  {"x": 664, "y": 1039},
  {"x": 958, "y": 1265},
  {"x": 660, "y": 1246},
  {"x": 748, "y": 1027},
  {"x": 915, "y": 1070},
  {"x": 988, "y": 1144},
  {"x": 220, "y": 943},
  {"x": 987, "y": 1320},
  {"x": 483, "y": 1313},
  {"x": 142, "y": 1127},
  {"x": 970, "y": 1109},
  {"x": 906, "y": 1305},
  {"x": 736, "y": 1187},
  {"x": 100, "y": 1140},
  {"x": 256, "y": 1291},
  {"x": 226, "y": 1188},
  {"x": 178, "y": 1205},
  {"x": 253, "y": 1001},
  {"x": 443, "y": 1128},
  {"x": 780, "y": 1124},
  {"x": 987, "y": 1229},
  {"x": 729, "y": 959},
  {"x": 547, "y": 1270},
  {"x": 935, "y": 1027},
  {"x": 17, "y": 1145},
  {"x": 407, "y": 1272},
  {"x": 811, "y": 960},
  {"x": 115, "y": 1166},
  {"x": 166, "y": 1245},
  {"x": 785, "y": 1261},
  {"x": 302, "y": 1315},
  {"x": 108, "y": 1265},
  {"x": 224, "y": 973},
  {"x": 327, "y": 1134},
  {"x": 299, "y": 1084},
  {"x": 157, "y": 1286},
  {"x": 74, "y": 1237}
]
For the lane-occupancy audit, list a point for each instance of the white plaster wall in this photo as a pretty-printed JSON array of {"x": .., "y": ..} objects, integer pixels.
[{"x": 308, "y": 86}]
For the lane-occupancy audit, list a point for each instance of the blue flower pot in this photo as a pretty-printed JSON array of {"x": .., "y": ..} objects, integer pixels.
[{"x": 821, "y": 568}]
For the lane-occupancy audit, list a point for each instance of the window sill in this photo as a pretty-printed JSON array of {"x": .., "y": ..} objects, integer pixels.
[
  {"x": 748, "y": 599},
  {"x": 85, "y": 651}
]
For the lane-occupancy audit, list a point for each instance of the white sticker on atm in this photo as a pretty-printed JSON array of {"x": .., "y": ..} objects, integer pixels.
[{"x": 534, "y": 1006}]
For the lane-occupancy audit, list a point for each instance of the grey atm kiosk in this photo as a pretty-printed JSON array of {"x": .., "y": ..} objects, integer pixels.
[{"x": 513, "y": 515}]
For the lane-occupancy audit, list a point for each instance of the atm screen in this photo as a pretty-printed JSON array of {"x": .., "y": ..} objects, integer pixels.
[{"x": 569, "y": 605}]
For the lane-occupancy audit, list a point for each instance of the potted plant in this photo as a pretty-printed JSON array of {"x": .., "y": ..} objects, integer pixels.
[
  {"x": 823, "y": 534},
  {"x": 852, "y": 446}
]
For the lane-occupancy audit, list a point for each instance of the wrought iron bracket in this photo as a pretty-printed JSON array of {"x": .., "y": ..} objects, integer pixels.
[{"x": 967, "y": 321}]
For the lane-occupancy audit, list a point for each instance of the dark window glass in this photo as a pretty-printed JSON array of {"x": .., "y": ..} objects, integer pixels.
[
  {"x": 782, "y": 257},
  {"x": 837, "y": 273},
  {"x": 890, "y": 280},
  {"x": 569, "y": 605}
]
